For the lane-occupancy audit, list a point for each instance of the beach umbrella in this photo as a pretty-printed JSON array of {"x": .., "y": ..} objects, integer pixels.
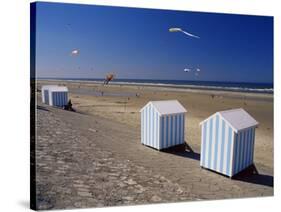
[{"x": 174, "y": 29}]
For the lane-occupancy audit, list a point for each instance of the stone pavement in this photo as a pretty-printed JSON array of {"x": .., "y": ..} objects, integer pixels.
[{"x": 87, "y": 161}]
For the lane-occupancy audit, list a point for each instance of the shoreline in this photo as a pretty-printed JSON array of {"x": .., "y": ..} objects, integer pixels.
[
  {"x": 171, "y": 85},
  {"x": 165, "y": 88}
]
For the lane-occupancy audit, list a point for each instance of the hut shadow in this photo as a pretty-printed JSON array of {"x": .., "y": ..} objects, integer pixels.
[
  {"x": 183, "y": 150},
  {"x": 251, "y": 175},
  {"x": 42, "y": 108}
]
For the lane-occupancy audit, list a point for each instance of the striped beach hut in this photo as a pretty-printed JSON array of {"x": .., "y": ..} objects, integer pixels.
[
  {"x": 162, "y": 124},
  {"x": 44, "y": 93},
  {"x": 227, "y": 141},
  {"x": 55, "y": 95}
]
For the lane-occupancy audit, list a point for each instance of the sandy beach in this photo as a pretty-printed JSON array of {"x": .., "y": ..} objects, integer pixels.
[
  {"x": 110, "y": 114},
  {"x": 86, "y": 97}
]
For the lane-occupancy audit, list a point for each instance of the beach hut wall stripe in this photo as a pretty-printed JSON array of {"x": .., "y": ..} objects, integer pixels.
[
  {"x": 243, "y": 150},
  {"x": 162, "y": 128},
  {"x": 59, "y": 98},
  {"x": 226, "y": 147},
  {"x": 216, "y": 145},
  {"x": 45, "y": 97}
]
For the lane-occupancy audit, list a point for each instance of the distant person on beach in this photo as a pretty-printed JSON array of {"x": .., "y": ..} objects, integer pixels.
[{"x": 69, "y": 106}]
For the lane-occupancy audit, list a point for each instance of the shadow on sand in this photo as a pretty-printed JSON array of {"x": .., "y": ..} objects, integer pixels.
[
  {"x": 183, "y": 150},
  {"x": 42, "y": 108},
  {"x": 249, "y": 175}
]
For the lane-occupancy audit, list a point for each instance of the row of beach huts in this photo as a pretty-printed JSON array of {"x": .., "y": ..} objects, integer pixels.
[{"x": 227, "y": 137}]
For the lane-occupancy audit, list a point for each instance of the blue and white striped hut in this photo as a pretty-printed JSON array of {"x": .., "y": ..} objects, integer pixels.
[
  {"x": 44, "y": 92},
  {"x": 162, "y": 124},
  {"x": 227, "y": 141},
  {"x": 55, "y": 95}
]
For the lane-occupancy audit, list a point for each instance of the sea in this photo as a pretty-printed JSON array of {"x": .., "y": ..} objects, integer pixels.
[{"x": 204, "y": 85}]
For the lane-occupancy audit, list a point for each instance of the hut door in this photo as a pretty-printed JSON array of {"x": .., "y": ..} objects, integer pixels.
[{"x": 46, "y": 95}]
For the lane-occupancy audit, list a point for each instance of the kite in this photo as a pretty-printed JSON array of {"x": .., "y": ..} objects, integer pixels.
[
  {"x": 75, "y": 52},
  {"x": 180, "y": 30},
  {"x": 108, "y": 78}
]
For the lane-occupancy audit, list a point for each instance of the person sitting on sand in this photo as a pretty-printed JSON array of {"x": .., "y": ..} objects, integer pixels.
[{"x": 69, "y": 106}]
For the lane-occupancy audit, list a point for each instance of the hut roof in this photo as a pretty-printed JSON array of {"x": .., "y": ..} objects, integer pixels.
[
  {"x": 167, "y": 107},
  {"x": 48, "y": 86},
  {"x": 238, "y": 119},
  {"x": 57, "y": 88}
]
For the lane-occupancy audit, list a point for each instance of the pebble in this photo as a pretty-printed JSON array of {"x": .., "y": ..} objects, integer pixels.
[
  {"x": 131, "y": 182},
  {"x": 84, "y": 194},
  {"x": 156, "y": 198},
  {"x": 129, "y": 198}
]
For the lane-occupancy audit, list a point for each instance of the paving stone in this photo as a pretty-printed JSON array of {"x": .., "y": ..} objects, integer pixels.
[
  {"x": 75, "y": 168},
  {"x": 156, "y": 198},
  {"x": 84, "y": 193},
  {"x": 130, "y": 182}
]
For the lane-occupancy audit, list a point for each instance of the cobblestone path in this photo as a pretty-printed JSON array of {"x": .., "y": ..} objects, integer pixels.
[{"x": 87, "y": 161}]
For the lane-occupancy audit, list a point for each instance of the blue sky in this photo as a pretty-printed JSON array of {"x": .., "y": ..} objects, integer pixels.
[{"x": 136, "y": 44}]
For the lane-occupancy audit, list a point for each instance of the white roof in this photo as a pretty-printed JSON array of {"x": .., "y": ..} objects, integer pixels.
[
  {"x": 57, "y": 88},
  {"x": 238, "y": 119},
  {"x": 167, "y": 107},
  {"x": 48, "y": 86}
]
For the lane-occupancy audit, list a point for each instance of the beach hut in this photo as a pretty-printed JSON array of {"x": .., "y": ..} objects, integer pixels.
[
  {"x": 55, "y": 96},
  {"x": 162, "y": 124},
  {"x": 227, "y": 141},
  {"x": 44, "y": 93}
]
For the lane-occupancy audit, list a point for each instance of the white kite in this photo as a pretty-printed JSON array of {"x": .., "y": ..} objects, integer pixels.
[
  {"x": 180, "y": 30},
  {"x": 198, "y": 69},
  {"x": 187, "y": 70},
  {"x": 74, "y": 52}
]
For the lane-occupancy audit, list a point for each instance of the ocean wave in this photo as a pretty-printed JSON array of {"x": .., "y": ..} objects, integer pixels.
[
  {"x": 203, "y": 87},
  {"x": 179, "y": 86}
]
